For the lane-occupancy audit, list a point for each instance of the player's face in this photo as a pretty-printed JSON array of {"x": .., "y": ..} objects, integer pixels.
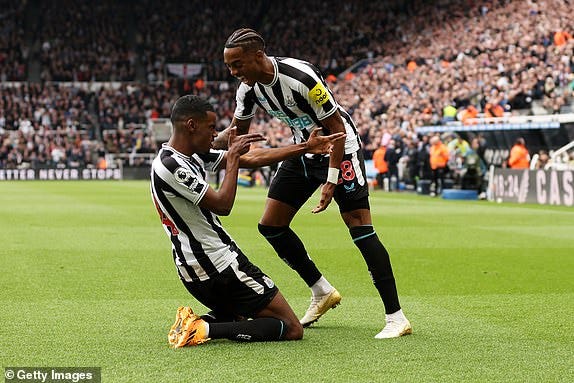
[
  {"x": 204, "y": 133},
  {"x": 242, "y": 64}
]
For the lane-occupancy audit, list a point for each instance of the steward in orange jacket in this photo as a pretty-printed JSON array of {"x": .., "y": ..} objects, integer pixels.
[
  {"x": 519, "y": 157},
  {"x": 438, "y": 154},
  {"x": 379, "y": 160},
  {"x": 381, "y": 165}
]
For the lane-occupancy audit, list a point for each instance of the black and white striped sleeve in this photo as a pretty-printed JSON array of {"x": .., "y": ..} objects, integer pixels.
[
  {"x": 181, "y": 178},
  {"x": 212, "y": 160},
  {"x": 246, "y": 104}
]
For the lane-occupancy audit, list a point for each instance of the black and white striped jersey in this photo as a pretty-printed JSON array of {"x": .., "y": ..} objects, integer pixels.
[
  {"x": 298, "y": 96},
  {"x": 200, "y": 245}
]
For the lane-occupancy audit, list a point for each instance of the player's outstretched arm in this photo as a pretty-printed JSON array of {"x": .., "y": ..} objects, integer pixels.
[
  {"x": 316, "y": 144},
  {"x": 221, "y": 201}
]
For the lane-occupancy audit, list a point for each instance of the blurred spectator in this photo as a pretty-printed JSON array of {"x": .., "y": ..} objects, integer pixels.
[
  {"x": 423, "y": 159},
  {"x": 474, "y": 168},
  {"x": 412, "y": 163},
  {"x": 468, "y": 115},
  {"x": 448, "y": 113},
  {"x": 519, "y": 156},
  {"x": 438, "y": 162},
  {"x": 382, "y": 168},
  {"x": 561, "y": 37},
  {"x": 458, "y": 145},
  {"x": 392, "y": 156},
  {"x": 543, "y": 159}
]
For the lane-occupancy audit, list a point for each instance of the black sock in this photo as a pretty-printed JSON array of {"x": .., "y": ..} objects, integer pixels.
[
  {"x": 292, "y": 251},
  {"x": 256, "y": 330},
  {"x": 379, "y": 264},
  {"x": 214, "y": 317}
]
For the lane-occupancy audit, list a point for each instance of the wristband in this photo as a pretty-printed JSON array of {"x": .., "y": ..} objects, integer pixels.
[{"x": 333, "y": 176}]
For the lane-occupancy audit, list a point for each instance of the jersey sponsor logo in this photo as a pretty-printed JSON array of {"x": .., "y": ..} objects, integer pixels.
[
  {"x": 261, "y": 99},
  {"x": 319, "y": 94},
  {"x": 301, "y": 122}
]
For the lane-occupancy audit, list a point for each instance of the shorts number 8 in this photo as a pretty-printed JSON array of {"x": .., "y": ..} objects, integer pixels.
[{"x": 348, "y": 173}]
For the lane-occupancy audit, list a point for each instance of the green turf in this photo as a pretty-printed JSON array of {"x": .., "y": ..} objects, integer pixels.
[{"x": 87, "y": 280}]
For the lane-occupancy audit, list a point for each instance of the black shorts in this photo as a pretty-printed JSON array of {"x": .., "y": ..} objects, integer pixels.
[
  {"x": 242, "y": 289},
  {"x": 298, "y": 178}
]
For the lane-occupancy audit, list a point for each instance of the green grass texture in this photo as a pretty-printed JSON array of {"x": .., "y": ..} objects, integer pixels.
[{"x": 87, "y": 279}]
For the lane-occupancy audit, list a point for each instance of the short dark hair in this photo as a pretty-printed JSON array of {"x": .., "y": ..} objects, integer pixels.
[
  {"x": 520, "y": 141},
  {"x": 246, "y": 38},
  {"x": 190, "y": 106}
]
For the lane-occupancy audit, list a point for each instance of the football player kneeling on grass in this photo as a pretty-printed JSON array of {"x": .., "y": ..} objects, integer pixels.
[{"x": 245, "y": 303}]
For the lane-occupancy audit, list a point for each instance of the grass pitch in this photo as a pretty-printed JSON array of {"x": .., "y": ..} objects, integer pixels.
[{"x": 87, "y": 280}]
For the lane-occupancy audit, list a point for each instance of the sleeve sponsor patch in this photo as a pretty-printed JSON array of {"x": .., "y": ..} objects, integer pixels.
[
  {"x": 319, "y": 95},
  {"x": 185, "y": 177}
]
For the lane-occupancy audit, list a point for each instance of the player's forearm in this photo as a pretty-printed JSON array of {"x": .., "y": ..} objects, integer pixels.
[
  {"x": 337, "y": 155},
  {"x": 228, "y": 189},
  {"x": 335, "y": 124},
  {"x": 256, "y": 158}
]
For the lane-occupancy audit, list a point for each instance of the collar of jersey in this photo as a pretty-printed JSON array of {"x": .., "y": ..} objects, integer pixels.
[
  {"x": 167, "y": 147},
  {"x": 275, "y": 74}
]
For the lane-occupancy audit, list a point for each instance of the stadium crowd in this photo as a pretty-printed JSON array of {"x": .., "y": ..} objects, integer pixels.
[
  {"x": 85, "y": 41},
  {"x": 13, "y": 51},
  {"x": 422, "y": 64}
]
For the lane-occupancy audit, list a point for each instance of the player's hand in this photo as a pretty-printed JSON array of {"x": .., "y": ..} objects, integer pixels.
[
  {"x": 327, "y": 191},
  {"x": 241, "y": 144},
  {"x": 322, "y": 144},
  {"x": 221, "y": 141}
]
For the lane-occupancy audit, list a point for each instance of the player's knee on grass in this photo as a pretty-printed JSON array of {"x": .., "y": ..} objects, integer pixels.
[
  {"x": 294, "y": 330},
  {"x": 270, "y": 329},
  {"x": 262, "y": 330},
  {"x": 279, "y": 308}
]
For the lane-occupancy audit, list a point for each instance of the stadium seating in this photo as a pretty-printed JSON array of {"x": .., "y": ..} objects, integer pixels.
[{"x": 412, "y": 59}]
